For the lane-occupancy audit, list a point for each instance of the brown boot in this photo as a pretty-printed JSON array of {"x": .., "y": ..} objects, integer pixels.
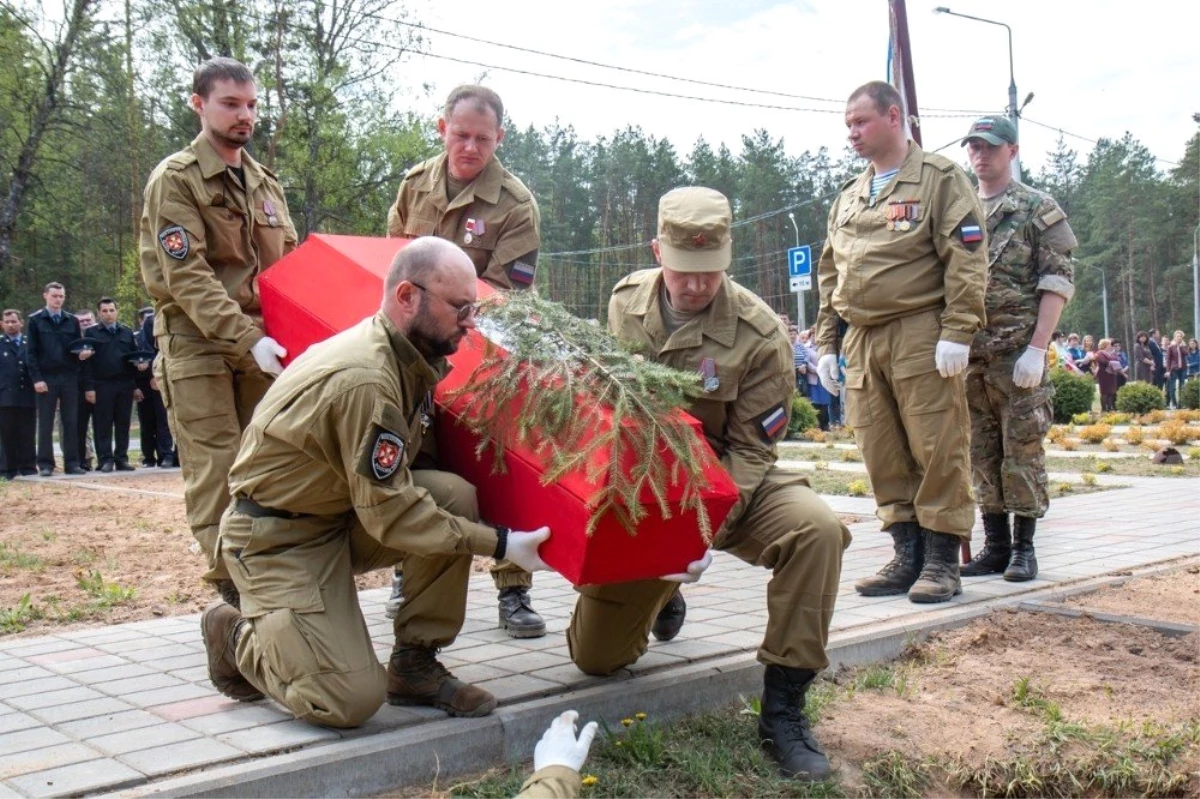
[
  {"x": 415, "y": 677},
  {"x": 219, "y": 626}
]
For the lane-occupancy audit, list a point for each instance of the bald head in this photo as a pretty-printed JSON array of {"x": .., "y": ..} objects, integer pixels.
[
  {"x": 427, "y": 294},
  {"x": 423, "y": 260}
]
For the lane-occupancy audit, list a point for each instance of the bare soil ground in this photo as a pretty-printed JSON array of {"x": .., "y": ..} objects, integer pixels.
[{"x": 1174, "y": 596}]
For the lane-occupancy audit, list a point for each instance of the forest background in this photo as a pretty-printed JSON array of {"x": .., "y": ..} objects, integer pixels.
[{"x": 93, "y": 99}]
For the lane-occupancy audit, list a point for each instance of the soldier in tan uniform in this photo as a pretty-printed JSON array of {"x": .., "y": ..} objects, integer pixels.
[
  {"x": 902, "y": 278},
  {"x": 1008, "y": 390},
  {"x": 323, "y": 490},
  {"x": 689, "y": 315},
  {"x": 214, "y": 218},
  {"x": 465, "y": 195}
]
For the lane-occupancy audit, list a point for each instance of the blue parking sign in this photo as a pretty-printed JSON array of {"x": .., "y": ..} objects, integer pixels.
[{"x": 800, "y": 261}]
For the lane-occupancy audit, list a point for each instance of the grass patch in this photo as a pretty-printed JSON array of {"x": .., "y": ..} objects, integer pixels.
[
  {"x": 13, "y": 559},
  {"x": 15, "y": 619},
  {"x": 105, "y": 594},
  {"x": 895, "y": 775},
  {"x": 1124, "y": 467}
]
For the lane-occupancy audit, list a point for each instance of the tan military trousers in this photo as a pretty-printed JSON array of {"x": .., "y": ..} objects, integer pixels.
[
  {"x": 210, "y": 395},
  {"x": 911, "y": 424},
  {"x": 1008, "y": 430},
  {"x": 306, "y": 644},
  {"x": 786, "y": 528}
]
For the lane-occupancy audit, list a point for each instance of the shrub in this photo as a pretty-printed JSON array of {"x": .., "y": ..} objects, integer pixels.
[
  {"x": 816, "y": 435},
  {"x": 1072, "y": 394},
  {"x": 804, "y": 416},
  {"x": 1177, "y": 432},
  {"x": 1189, "y": 395},
  {"x": 1057, "y": 433},
  {"x": 1095, "y": 433},
  {"x": 1188, "y": 416},
  {"x": 1134, "y": 435},
  {"x": 1110, "y": 444},
  {"x": 1116, "y": 418},
  {"x": 1082, "y": 418},
  {"x": 1154, "y": 417},
  {"x": 1139, "y": 397},
  {"x": 857, "y": 488},
  {"x": 1069, "y": 444},
  {"x": 1103, "y": 467},
  {"x": 1193, "y": 454}
]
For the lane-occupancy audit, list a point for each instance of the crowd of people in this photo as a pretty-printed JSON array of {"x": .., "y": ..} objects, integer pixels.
[
  {"x": 81, "y": 375},
  {"x": 1165, "y": 362}
]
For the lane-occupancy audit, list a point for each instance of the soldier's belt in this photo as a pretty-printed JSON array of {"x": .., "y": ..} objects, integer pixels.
[{"x": 248, "y": 507}]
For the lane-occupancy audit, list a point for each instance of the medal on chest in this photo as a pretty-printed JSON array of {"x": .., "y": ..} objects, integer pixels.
[
  {"x": 708, "y": 373},
  {"x": 474, "y": 228},
  {"x": 903, "y": 215},
  {"x": 269, "y": 210}
]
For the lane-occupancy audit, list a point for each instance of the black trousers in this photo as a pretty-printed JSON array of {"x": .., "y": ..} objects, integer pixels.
[
  {"x": 86, "y": 412},
  {"x": 112, "y": 415},
  {"x": 17, "y": 434},
  {"x": 157, "y": 442},
  {"x": 62, "y": 390}
]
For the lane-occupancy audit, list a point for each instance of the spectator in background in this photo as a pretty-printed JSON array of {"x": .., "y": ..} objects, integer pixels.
[
  {"x": 799, "y": 361},
  {"x": 83, "y": 435},
  {"x": 1143, "y": 361},
  {"x": 18, "y": 414},
  {"x": 1123, "y": 367},
  {"x": 1054, "y": 353},
  {"x": 1176, "y": 367},
  {"x": 54, "y": 370},
  {"x": 1193, "y": 358},
  {"x": 108, "y": 386},
  {"x": 1104, "y": 361},
  {"x": 1159, "y": 377},
  {"x": 1075, "y": 353},
  {"x": 818, "y": 395}
]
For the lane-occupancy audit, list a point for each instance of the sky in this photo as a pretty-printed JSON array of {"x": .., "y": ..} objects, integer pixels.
[{"x": 1097, "y": 69}]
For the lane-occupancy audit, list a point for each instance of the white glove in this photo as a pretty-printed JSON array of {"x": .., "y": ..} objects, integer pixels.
[
  {"x": 694, "y": 570},
  {"x": 559, "y": 747},
  {"x": 1027, "y": 372},
  {"x": 827, "y": 371},
  {"x": 951, "y": 358},
  {"x": 522, "y": 549},
  {"x": 267, "y": 352}
]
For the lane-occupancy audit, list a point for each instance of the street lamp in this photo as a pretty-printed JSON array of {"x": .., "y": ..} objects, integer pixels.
[
  {"x": 1013, "y": 111},
  {"x": 799, "y": 294}
]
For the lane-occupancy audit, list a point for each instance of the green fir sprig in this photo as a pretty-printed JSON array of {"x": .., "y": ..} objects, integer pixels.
[{"x": 547, "y": 388}]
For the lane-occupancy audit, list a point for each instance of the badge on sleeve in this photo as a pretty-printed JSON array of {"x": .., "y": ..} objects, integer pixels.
[
  {"x": 522, "y": 272},
  {"x": 970, "y": 232},
  {"x": 174, "y": 242},
  {"x": 773, "y": 424},
  {"x": 386, "y": 454}
]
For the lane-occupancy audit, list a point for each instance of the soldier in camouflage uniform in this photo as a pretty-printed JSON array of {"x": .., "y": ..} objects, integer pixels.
[{"x": 1008, "y": 389}]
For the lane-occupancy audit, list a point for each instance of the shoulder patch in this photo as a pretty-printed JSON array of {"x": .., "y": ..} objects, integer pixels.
[
  {"x": 174, "y": 241},
  {"x": 522, "y": 273},
  {"x": 772, "y": 423},
  {"x": 970, "y": 233},
  {"x": 383, "y": 454},
  {"x": 181, "y": 159},
  {"x": 1049, "y": 216}
]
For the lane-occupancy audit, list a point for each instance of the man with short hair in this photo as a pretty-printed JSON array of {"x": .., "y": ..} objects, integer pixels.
[
  {"x": 324, "y": 489},
  {"x": 108, "y": 385},
  {"x": 902, "y": 278},
  {"x": 465, "y": 195},
  {"x": 1009, "y": 393},
  {"x": 689, "y": 315},
  {"x": 18, "y": 414},
  {"x": 214, "y": 219},
  {"x": 54, "y": 370}
]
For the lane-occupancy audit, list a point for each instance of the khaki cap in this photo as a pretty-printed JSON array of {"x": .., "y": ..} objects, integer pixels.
[{"x": 693, "y": 230}]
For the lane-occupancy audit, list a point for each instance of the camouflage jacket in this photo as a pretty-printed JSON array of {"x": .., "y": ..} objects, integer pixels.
[{"x": 1029, "y": 251}]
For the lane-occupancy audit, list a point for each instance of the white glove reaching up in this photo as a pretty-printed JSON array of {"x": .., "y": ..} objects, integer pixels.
[
  {"x": 559, "y": 747},
  {"x": 827, "y": 371},
  {"x": 694, "y": 570},
  {"x": 1027, "y": 372},
  {"x": 522, "y": 549},
  {"x": 951, "y": 358},
  {"x": 267, "y": 352}
]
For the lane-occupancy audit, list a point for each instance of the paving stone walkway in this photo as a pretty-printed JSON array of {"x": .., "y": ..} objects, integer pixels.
[{"x": 120, "y": 707}]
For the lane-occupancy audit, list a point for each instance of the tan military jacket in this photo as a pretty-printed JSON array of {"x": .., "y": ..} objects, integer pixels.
[
  {"x": 1029, "y": 252},
  {"x": 495, "y": 201},
  {"x": 870, "y": 275},
  {"x": 336, "y": 434},
  {"x": 739, "y": 344},
  {"x": 204, "y": 240},
  {"x": 552, "y": 782}
]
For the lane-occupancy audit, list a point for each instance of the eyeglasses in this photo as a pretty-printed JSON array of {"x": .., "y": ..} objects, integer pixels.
[{"x": 464, "y": 311}]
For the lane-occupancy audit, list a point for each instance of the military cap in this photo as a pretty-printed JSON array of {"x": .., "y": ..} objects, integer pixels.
[
  {"x": 83, "y": 345},
  {"x": 138, "y": 356},
  {"x": 693, "y": 230},
  {"x": 993, "y": 130}
]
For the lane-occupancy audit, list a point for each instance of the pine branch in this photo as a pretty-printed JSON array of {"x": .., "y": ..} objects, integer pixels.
[{"x": 550, "y": 392}]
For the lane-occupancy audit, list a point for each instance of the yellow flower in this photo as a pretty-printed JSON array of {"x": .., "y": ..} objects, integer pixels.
[
  {"x": 640, "y": 716},
  {"x": 620, "y": 743},
  {"x": 627, "y": 722},
  {"x": 590, "y": 779}
]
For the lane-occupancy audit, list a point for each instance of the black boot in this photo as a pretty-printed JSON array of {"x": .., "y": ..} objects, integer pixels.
[
  {"x": 939, "y": 579},
  {"x": 517, "y": 617},
  {"x": 997, "y": 547},
  {"x": 1023, "y": 565},
  {"x": 783, "y": 728},
  {"x": 392, "y": 607},
  {"x": 669, "y": 620},
  {"x": 229, "y": 593},
  {"x": 901, "y": 572}
]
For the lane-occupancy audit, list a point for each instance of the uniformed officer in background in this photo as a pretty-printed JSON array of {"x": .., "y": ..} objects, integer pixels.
[
  {"x": 465, "y": 195},
  {"x": 54, "y": 370},
  {"x": 689, "y": 315},
  {"x": 323, "y": 491},
  {"x": 18, "y": 406},
  {"x": 108, "y": 386},
  {"x": 1030, "y": 281},
  {"x": 904, "y": 268},
  {"x": 214, "y": 219}
]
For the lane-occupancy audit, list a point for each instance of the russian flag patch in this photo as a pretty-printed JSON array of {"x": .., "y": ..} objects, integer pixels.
[
  {"x": 970, "y": 232},
  {"x": 773, "y": 424},
  {"x": 522, "y": 272}
]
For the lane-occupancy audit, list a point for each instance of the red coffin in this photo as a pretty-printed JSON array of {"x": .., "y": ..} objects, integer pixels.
[{"x": 330, "y": 283}]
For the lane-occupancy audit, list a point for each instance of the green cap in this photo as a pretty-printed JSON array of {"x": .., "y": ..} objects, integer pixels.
[
  {"x": 993, "y": 130},
  {"x": 693, "y": 230}
]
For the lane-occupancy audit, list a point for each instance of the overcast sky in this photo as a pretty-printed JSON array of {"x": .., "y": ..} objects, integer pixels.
[{"x": 1098, "y": 69}]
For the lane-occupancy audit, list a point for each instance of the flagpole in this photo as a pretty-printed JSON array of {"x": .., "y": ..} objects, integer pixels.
[{"x": 904, "y": 54}]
